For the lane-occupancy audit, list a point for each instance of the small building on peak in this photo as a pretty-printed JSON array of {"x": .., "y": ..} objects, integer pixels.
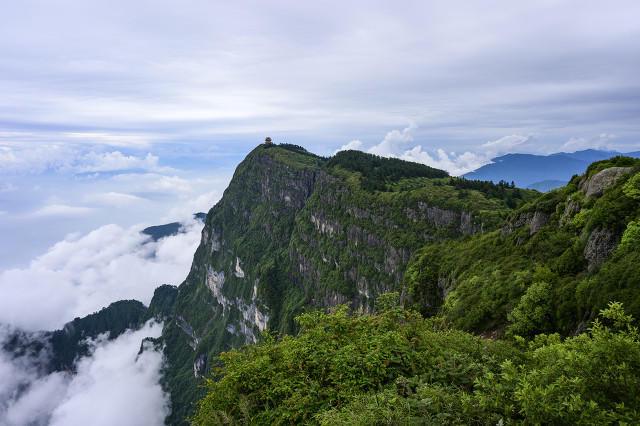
[{"x": 268, "y": 141}]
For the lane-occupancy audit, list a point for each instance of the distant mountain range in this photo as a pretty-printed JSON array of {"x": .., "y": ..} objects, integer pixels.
[{"x": 541, "y": 172}]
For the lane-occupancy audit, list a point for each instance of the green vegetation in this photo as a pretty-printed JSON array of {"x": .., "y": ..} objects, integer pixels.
[
  {"x": 377, "y": 172},
  {"x": 490, "y": 283},
  {"x": 291, "y": 155},
  {"x": 632, "y": 188},
  {"x": 71, "y": 342},
  {"x": 631, "y": 237},
  {"x": 618, "y": 161},
  {"x": 397, "y": 368},
  {"x": 295, "y": 232},
  {"x": 503, "y": 190}
]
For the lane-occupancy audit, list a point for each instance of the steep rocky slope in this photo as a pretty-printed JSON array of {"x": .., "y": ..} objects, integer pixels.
[
  {"x": 295, "y": 231},
  {"x": 568, "y": 253}
]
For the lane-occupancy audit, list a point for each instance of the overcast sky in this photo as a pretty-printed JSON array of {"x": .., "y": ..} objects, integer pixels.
[{"x": 137, "y": 112}]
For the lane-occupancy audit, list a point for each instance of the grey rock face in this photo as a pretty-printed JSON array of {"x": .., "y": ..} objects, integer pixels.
[
  {"x": 600, "y": 245},
  {"x": 598, "y": 183},
  {"x": 200, "y": 366},
  {"x": 572, "y": 208},
  {"x": 442, "y": 218},
  {"x": 535, "y": 221},
  {"x": 538, "y": 220}
]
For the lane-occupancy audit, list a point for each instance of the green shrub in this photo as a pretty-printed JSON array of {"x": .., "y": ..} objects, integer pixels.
[
  {"x": 632, "y": 187},
  {"x": 631, "y": 237},
  {"x": 532, "y": 315},
  {"x": 394, "y": 368}
]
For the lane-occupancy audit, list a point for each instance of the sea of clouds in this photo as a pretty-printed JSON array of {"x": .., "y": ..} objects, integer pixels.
[
  {"x": 115, "y": 384},
  {"x": 83, "y": 273}
]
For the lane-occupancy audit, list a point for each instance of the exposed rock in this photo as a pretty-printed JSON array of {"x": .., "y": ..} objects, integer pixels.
[
  {"x": 238, "y": 272},
  {"x": 538, "y": 220},
  {"x": 215, "y": 281},
  {"x": 600, "y": 245},
  {"x": 598, "y": 183},
  {"x": 252, "y": 316},
  {"x": 188, "y": 330},
  {"x": 323, "y": 226},
  {"x": 466, "y": 224},
  {"x": 572, "y": 208},
  {"x": 441, "y": 218},
  {"x": 211, "y": 239},
  {"x": 200, "y": 365},
  {"x": 535, "y": 220}
]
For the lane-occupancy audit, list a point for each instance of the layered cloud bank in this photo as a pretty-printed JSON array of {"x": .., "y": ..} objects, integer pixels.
[
  {"x": 113, "y": 386},
  {"x": 404, "y": 144},
  {"x": 84, "y": 273}
]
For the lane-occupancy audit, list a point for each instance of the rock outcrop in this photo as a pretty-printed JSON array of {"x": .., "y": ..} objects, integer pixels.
[
  {"x": 534, "y": 220},
  {"x": 600, "y": 244},
  {"x": 595, "y": 185},
  {"x": 292, "y": 232}
]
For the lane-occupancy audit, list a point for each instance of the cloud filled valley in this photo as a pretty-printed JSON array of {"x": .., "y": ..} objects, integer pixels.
[
  {"x": 75, "y": 277},
  {"x": 115, "y": 385},
  {"x": 81, "y": 274}
]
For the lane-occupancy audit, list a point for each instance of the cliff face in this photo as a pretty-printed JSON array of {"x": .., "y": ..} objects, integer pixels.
[{"x": 294, "y": 231}]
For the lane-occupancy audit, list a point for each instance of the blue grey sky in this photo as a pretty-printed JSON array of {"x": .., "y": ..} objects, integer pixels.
[{"x": 136, "y": 112}]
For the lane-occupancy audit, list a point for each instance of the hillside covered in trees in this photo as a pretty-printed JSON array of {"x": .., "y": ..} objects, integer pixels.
[
  {"x": 362, "y": 290},
  {"x": 528, "y": 318}
]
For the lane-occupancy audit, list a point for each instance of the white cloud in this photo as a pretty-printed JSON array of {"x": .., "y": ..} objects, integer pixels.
[
  {"x": 35, "y": 158},
  {"x": 201, "y": 203},
  {"x": 116, "y": 386},
  {"x": 35, "y": 405},
  {"x": 505, "y": 144},
  {"x": 81, "y": 274},
  {"x": 7, "y": 187},
  {"x": 348, "y": 70},
  {"x": 113, "y": 385},
  {"x": 115, "y": 199},
  {"x": 355, "y": 144},
  {"x": 110, "y": 138},
  {"x": 114, "y": 161},
  {"x": 602, "y": 141},
  {"x": 394, "y": 142},
  {"x": 452, "y": 162},
  {"x": 154, "y": 182},
  {"x": 61, "y": 210}
]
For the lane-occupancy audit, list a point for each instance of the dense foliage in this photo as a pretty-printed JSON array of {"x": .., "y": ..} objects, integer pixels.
[
  {"x": 295, "y": 232},
  {"x": 580, "y": 253},
  {"x": 397, "y": 368},
  {"x": 71, "y": 342},
  {"x": 377, "y": 172},
  {"x": 503, "y": 190}
]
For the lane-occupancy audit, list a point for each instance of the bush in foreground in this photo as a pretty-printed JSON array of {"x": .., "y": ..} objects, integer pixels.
[{"x": 396, "y": 368}]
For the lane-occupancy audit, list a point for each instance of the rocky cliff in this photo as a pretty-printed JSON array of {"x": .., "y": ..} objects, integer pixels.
[{"x": 295, "y": 231}]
